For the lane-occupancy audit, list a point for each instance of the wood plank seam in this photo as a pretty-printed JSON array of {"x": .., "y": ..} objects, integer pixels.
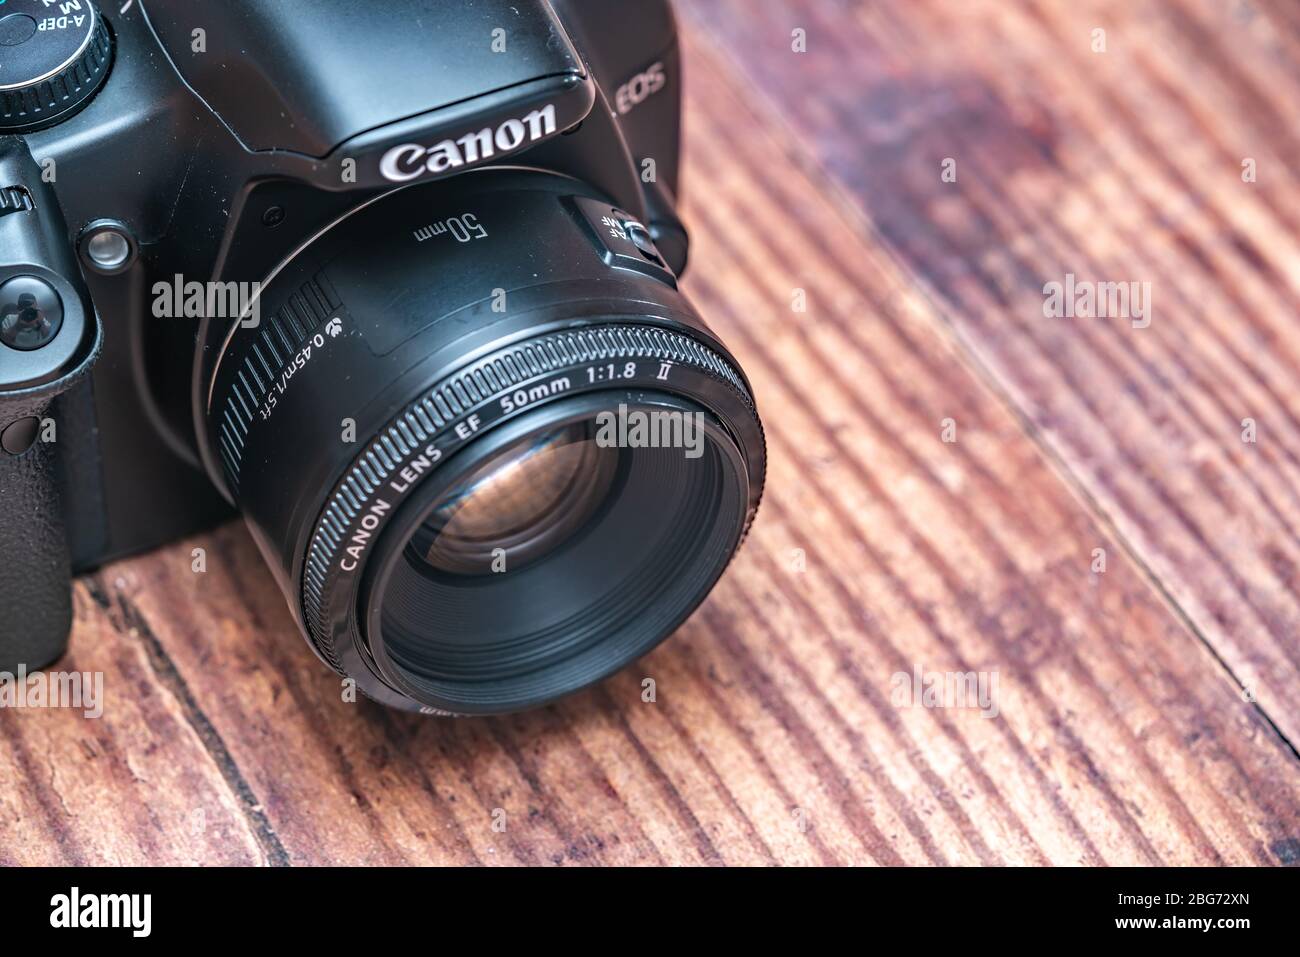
[
  {"x": 730, "y": 332},
  {"x": 169, "y": 677},
  {"x": 810, "y": 164},
  {"x": 1151, "y": 147}
]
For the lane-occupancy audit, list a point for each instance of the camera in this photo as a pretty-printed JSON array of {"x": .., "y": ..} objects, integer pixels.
[{"x": 397, "y": 283}]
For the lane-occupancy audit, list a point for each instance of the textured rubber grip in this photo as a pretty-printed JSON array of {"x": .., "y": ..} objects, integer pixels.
[{"x": 35, "y": 596}]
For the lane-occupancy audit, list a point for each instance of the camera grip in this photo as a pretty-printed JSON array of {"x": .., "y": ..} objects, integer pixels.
[
  {"x": 36, "y": 602},
  {"x": 50, "y": 337}
]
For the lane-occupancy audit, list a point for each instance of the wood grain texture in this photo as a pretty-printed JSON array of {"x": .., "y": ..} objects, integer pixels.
[
  {"x": 1145, "y": 713},
  {"x": 1117, "y": 166}
]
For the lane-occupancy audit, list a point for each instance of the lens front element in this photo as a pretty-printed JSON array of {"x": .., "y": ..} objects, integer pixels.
[
  {"x": 637, "y": 546},
  {"x": 519, "y": 506}
]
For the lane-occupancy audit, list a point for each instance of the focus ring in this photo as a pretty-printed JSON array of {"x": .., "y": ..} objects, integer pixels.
[
  {"x": 263, "y": 357},
  {"x": 430, "y": 415}
]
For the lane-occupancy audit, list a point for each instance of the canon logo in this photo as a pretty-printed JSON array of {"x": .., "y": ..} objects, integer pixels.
[{"x": 410, "y": 160}]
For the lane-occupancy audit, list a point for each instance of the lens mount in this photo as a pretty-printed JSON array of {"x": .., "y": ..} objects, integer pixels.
[{"x": 476, "y": 510}]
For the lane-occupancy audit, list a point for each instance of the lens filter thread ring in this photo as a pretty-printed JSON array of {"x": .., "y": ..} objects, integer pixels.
[{"x": 350, "y": 522}]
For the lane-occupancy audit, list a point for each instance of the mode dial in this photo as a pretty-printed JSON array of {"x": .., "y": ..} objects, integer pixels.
[{"x": 54, "y": 54}]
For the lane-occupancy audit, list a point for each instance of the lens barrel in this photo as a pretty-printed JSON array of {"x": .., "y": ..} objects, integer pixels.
[{"x": 489, "y": 450}]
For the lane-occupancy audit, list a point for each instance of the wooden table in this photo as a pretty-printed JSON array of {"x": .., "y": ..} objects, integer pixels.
[{"x": 1147, "y": 712}]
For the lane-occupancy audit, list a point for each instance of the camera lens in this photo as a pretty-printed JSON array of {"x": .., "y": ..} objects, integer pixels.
[
  {"x": 519, "y": 506},
  {"x": 623, "y": 548},
  {"x": 490, "y": 455}
]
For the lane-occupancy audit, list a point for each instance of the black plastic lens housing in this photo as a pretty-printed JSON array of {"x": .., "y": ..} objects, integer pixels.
[{"x": 459, "y": 363}]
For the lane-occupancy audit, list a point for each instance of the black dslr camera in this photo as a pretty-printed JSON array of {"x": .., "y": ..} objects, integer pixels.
[{"x": 398, "y": 282}]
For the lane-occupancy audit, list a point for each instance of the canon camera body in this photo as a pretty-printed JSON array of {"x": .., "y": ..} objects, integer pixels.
[{"x": 398, "y": 283}]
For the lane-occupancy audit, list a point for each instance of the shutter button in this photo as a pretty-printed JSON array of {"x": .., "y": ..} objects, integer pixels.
[{"x": 31, "y": 313}]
